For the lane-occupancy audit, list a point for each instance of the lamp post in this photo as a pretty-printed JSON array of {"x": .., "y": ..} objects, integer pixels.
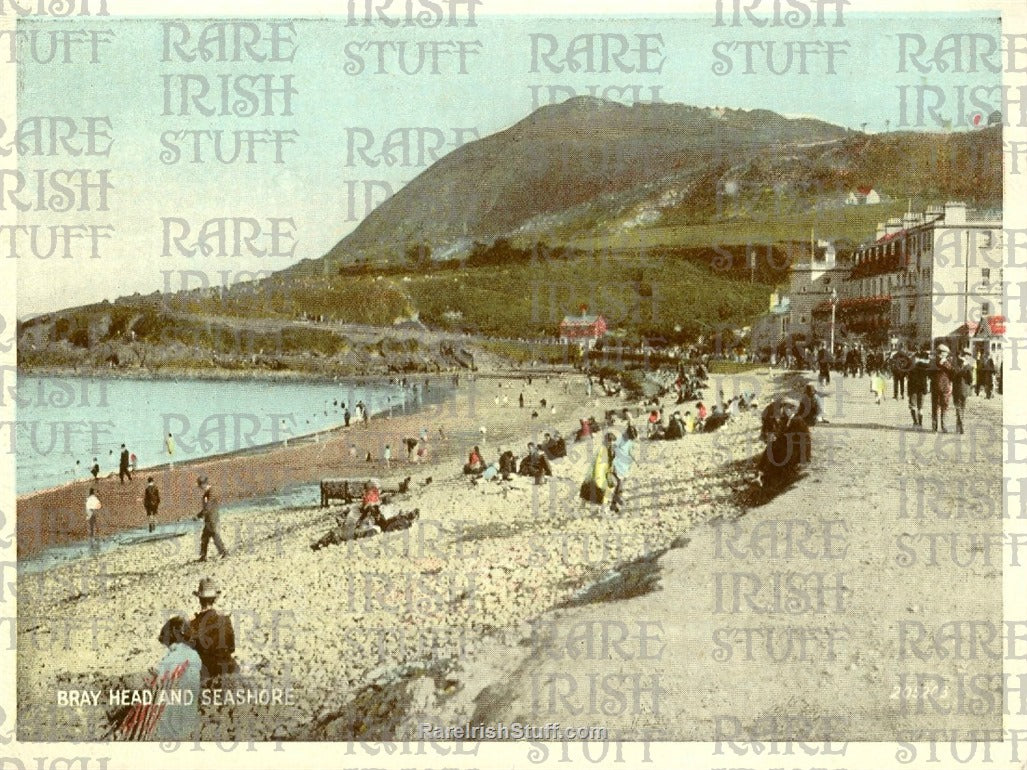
[{"x": 834, "y": 302}]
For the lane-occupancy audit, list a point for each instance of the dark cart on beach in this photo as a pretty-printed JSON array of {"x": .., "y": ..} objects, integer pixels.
[
  {"x": 352, "y": 490},
  {"x": 347, "y": 490}
]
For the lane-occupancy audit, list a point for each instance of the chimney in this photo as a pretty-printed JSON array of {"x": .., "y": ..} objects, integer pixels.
[
  {"x": 955, "y": 213},
  {"x": 910, "y": 220},
  {"x": 584, "y": 310},
  {"x": 893, "y": 226},
  {"x": 880, "y": 231}
]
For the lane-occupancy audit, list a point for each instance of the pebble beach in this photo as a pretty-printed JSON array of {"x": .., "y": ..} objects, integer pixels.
[{"x": 341, "y": 627}]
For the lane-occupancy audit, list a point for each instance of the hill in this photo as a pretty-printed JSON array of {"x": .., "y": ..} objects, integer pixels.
[
  {"x": 647, "y": 214},
  {"x": 591, "y": 168}
]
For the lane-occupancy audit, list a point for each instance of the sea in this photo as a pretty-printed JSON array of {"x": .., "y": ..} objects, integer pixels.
[{"x": 64, "y": 424}]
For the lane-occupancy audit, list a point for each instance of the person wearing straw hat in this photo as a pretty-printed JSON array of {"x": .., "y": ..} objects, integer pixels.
[
  {"x": 211, "y": 518},
  {"x": 212, "y": 634},
  {"x": 941, "y": 388}
]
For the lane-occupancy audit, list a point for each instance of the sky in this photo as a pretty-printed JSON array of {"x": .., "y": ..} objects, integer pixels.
[{"x": 340, "y": 101}]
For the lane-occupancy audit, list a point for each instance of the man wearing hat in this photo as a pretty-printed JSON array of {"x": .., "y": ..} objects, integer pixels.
[
  {"x": 962, "y": 377},
  {"x": 212, "y": 634},
  {"x": 916, "y": 387},
  {"x": 211, "y": 517},
  {"x": 941, "y": 387}
]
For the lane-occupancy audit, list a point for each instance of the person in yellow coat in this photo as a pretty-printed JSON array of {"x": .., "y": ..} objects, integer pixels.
[{"x": 602, "y": 478}]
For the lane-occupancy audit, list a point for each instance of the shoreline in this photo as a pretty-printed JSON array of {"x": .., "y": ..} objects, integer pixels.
[
  {"x": 229, "y": 375},
  {"x": 522, "y": 548},
  {"x": 54, "y": 517}
]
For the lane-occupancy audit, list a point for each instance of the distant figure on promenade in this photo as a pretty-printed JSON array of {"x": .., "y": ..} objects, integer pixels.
[
  {"x": 981, "y": 373},
  {"x": 520, "y": 400},
  {"x": 990, "y": 371},
  {"x": 899, "y": 364},
  {"x": 941, "y": 388},
  {"x": 169, "y": 447},
  {"x": 93, "y": 506},
  {"x": 387, "y": 456},
  {"x": 95, "y": 470},
  {"x": 151, "y": 502},
  {"x": 211, "y": 520},
  {"x": 353, "y": 451},
  {"x": 962, "y": 376},
  {"x": 132, "y": 462},
  {"x": 917, "y": 388},
  {"x": 346, "y": 417},
  {"x": 823, "y": 367},
  {"x": 123, "y": 465},
  {"x": 212, "y": 635}
]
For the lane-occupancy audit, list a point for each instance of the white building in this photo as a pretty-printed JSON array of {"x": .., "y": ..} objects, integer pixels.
[{"x": 937, "y": 274}]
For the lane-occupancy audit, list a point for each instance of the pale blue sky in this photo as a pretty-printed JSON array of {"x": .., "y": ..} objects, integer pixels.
[{"x": 311, "y": 185}]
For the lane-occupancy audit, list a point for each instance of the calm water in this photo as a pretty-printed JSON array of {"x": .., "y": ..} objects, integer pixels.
[{"x": 63, "y": 423}]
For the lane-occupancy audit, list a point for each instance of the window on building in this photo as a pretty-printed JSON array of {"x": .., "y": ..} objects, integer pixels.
[
  {"x": 802, "y": 290},
  {"x": 986, "y": 241},
  {"x": 985, "y": 275},
  {"x": 802, "y": 319},
  {"x": 985, "y": 309}
]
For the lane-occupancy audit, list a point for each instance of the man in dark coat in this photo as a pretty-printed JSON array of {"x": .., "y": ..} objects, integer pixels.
[
  {"x": 962, "y": 376},
  {"x": 535, "y": 464},
  {"x": 123, "y": 469},
  {"x": 151, "y": 501},
  {"x": 789, "y": 445},
  {"x": 211, "y": 519},
  {"x": 900, "y": 365},
  {"x": 212, "y": 634},
  {"x": 823, "y": 367},
  {"x": 941, "y": 388},
  {"x": 916, "y": 387},
  {"x": 989, "y": 375}
]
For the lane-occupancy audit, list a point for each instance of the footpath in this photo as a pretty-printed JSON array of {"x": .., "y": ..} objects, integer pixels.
[{"x": 862, "y": 604}]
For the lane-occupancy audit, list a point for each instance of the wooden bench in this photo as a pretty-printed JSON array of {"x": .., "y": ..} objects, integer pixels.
[
  {"x": 352, "y": 490},
  {"x": 347, "y": 490}
]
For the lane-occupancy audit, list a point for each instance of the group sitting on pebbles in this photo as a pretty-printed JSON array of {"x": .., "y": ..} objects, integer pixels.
[{"x": 371, "y": 516}]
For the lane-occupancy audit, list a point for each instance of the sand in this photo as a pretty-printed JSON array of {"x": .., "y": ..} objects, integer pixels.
[
  {"x": 435, "y": 624},
  {"x": 56, "y": 516}
]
